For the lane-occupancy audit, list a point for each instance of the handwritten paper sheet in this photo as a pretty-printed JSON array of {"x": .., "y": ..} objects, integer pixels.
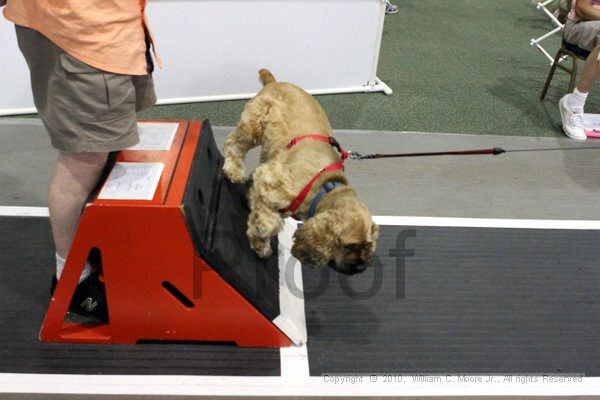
[
  {"x": 157, "y": 136},
  {"x": 132, "y": 181}
]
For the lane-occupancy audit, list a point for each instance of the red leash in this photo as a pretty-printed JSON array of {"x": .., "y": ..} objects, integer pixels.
[
  {"x": 357, "y": 156},
  {"x": 495, "y": 151}
]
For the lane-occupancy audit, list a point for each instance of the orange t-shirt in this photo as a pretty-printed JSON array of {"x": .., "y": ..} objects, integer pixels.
[{"x": 107, "y": 34}]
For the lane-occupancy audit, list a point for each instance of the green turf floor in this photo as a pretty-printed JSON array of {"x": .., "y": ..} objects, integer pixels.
[{"x": 463, "y": 66}]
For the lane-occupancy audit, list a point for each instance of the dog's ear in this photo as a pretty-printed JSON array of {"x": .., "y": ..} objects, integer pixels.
[
  {"x": 374, "y": 232},
  {"x": 315, "y": 240},
  {"x": 373, "y": 242}
]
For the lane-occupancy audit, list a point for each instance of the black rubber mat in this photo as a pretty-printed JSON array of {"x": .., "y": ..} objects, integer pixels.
[
  {"x": 26, "y": 268},
  {"x": 470, "y": 300},
  {"x": 216, "y": 214}
]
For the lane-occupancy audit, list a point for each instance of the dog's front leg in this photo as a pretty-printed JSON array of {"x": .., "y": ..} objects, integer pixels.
[
  {"x": 263, "y": 223},
  {"x": 238, "y": 144}
]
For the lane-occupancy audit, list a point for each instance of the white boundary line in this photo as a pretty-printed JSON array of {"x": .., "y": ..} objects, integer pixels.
[
  {"x": 489, "y": 223},
  {"x": 24, "y": 211},
  {"x": 283, "y": 386},
  {"x": 404, "y": 221},
  {"x": 292, "y": 321},
  {"x": 294, "y": 361}
]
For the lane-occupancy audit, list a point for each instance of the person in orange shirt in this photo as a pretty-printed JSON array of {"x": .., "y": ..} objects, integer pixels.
[{"x": 90, "y": 71}]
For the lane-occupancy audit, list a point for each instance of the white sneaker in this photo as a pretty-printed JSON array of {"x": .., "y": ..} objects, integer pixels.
[{"x": 572, "y": 120}]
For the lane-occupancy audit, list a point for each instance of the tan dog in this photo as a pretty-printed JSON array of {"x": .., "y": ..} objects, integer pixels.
[{"x": 341, "y": 234}]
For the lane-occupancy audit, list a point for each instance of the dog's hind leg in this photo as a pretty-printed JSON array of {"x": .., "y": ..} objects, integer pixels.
[{"x": 246, "y": 136}]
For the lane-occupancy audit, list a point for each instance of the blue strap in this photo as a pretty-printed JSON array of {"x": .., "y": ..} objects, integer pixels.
[{"x": 328, "y": 187}]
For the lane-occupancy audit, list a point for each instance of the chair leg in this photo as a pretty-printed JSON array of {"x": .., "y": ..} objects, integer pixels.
[
  {"x": 551, "y": 73},
  {"x": 573, "y": 75}
]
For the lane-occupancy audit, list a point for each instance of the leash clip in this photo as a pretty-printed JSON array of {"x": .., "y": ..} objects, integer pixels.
[{"x": 355, "y": 155}]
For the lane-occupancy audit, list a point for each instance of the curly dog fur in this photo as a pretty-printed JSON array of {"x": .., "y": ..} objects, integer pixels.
[{"x": 341, "y": 234}]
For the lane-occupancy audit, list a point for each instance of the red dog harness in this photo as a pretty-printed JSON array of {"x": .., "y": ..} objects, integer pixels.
[{"x": 334, "y": 167}]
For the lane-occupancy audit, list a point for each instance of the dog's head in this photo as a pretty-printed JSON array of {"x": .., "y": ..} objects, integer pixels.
[{"x": 343, "y": 239}]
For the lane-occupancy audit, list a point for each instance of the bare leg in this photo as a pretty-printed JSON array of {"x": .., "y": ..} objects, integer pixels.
[
  {"x": 591, "y": 72},
  {"x": 75, "y": 176}
]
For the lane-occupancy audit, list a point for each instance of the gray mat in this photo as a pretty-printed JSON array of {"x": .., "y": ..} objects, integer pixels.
[
  {"x": 26, "y": 267},
  {"x": 541, "y": 185},
  {"x": 471, "y": 300}
]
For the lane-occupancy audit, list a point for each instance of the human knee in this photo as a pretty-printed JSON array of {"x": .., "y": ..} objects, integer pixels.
[{"x": 83, "y": 161}]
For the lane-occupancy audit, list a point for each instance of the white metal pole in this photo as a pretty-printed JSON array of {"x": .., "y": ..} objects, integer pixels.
[{"x": 375, "y": 65}]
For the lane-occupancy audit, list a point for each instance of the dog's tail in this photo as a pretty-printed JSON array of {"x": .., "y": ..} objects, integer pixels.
[{"x": 266, "y": 77}]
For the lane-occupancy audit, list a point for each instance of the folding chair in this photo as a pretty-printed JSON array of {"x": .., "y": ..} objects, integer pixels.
[
  {"x": 556, "y": 19},
  {"x": 568, "y": 50}
]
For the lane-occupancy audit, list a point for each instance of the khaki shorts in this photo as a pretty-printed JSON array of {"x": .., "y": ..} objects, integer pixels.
[
  {"x": 83, "y": 108},
  {"x": 583, "y": 34}
]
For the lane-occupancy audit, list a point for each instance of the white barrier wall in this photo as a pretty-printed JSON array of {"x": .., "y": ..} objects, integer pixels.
[
  {"x": 15, "y": 91},
  {"x": 212, "y": 49}
]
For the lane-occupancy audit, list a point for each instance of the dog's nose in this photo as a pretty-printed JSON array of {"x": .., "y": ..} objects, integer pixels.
[{"x": 358, "y": 267}]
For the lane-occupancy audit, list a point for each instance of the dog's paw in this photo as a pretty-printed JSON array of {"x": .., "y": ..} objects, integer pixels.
[
  {"x": 262, "y": 247},
  {"x": 264, "y": 252},
  {"x": 234, "y": 171}
]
